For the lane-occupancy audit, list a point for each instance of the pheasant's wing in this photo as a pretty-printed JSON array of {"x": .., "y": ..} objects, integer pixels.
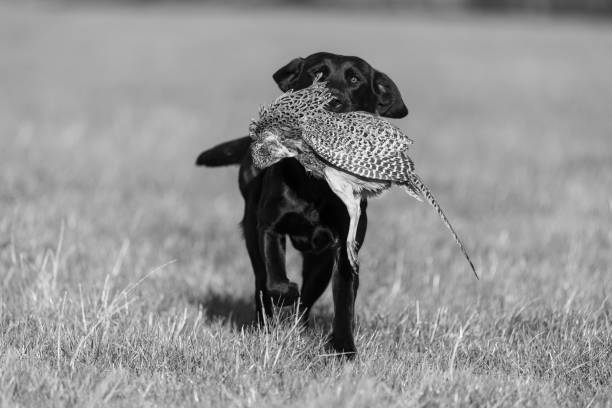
[
  {"x": 378, "y": 131},
  {"x": 358, "y": 145}
]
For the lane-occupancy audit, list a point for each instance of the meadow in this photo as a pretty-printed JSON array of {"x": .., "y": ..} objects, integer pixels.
[{"x": 124, "y": 280}]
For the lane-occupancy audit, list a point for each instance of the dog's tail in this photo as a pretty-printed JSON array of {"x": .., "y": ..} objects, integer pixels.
[{"x": 225, "y": 154}]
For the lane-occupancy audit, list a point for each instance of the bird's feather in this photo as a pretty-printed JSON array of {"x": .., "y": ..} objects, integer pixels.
[
  {"x": 417, "y": 183},
  {"x": 284, "y": 114},
  {"x": 359, "y": 144}
]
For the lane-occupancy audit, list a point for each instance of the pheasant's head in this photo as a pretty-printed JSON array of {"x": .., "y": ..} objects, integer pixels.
[{"x": 269, "y": 149}]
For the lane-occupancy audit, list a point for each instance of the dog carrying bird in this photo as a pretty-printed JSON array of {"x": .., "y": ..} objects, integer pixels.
[{"x": 359, "y": 154}]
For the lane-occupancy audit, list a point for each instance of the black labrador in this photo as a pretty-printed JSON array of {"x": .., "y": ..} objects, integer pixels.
[{"x": 283, "y": 200}]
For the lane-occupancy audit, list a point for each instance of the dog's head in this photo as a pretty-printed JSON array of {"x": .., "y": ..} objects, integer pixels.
[{"x": 354, "y": 83}]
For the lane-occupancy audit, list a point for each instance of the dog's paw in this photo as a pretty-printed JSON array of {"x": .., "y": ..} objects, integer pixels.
[
  {"x": 284, "y": 293},
  {"x": 342, "y": 346}
]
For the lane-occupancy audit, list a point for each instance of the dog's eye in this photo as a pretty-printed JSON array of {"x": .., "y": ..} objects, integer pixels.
[{"x": 353, "y": 79}]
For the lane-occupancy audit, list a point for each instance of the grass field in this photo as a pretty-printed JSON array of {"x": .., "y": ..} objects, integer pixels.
[{"x": 124, "y": 279}]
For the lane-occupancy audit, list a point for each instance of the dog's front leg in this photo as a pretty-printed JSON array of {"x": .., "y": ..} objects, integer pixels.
[
  {"x": 282, "y": 291},
  {"x": 317, "y": 271},
  {"x": 345, "y": 283}
]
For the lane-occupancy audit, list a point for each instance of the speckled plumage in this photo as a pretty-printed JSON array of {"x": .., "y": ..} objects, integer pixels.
[
  {"x": 360, "y": 143},
  {"x": 284, "y": 115},
  {"x": 359, "y": 154}
]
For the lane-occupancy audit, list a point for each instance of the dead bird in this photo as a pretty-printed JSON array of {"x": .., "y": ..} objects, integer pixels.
[{"x": 359, "y": 154}]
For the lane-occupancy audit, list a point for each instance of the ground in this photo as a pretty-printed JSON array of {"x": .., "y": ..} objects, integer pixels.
[{"x": 124, "y": 278}]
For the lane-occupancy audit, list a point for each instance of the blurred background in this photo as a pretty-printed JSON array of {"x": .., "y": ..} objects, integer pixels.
[{"x": 593, "y": 7}]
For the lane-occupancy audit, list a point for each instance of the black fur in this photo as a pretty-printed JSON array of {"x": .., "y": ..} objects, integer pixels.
[
  {"x": 283, "y": 201},
  {"x": 231, "y": 152}
]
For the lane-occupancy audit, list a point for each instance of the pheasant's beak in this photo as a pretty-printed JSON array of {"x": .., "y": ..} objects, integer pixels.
[
  {"x": 282, "y": 152},
  {"x": 270, "y": 138}
]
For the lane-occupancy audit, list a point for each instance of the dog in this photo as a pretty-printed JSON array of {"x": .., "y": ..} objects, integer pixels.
[{"x": 284, "y": 201}]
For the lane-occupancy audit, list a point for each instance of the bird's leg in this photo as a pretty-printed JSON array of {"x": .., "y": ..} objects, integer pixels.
[
  {"x": 354, "y": 211},
  {"x": 344, "y": 190}
]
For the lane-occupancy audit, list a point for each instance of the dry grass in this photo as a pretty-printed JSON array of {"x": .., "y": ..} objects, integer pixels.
[{"x": 124, "y": 278}]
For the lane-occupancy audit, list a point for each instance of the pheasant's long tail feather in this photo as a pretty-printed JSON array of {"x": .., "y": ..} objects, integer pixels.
[{"x": 426, "y": 193}]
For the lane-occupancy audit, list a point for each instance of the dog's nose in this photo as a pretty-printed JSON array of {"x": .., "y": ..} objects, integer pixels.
[{"x": 336, "y": 105}]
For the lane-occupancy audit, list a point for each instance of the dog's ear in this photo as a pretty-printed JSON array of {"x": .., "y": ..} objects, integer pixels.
[
  {"x": 390, "y": 103},
  {"x": 285, "y": 76}
]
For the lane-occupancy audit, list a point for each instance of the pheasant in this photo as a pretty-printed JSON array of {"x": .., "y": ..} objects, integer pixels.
[{"x": 359, "y": 154}]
